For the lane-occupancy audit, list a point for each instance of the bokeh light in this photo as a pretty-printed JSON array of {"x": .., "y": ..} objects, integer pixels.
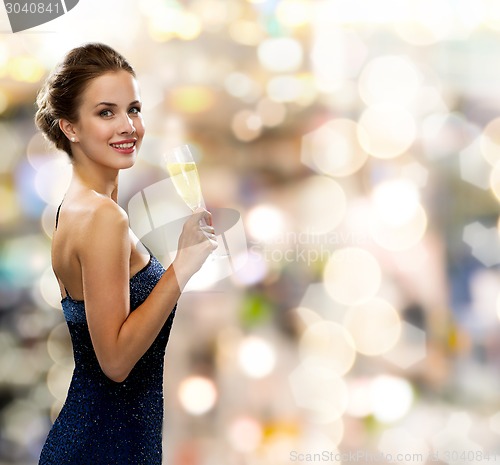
[
  {"x": 495, "y": 180},
  {"x": 256, "y": 356},
  {"x": 49, "y": 288},
  {"x": 246, "y": 125},
  {"x": 294, "y": 13},
  {"x": 358, "y": 140},
  {"x": 399, "y": 235},
  {"x": 388, "y": 130},
  {"x": 395, "y": 201},
  {"x": 360, "y": 404},
  {"x": 285, "y": 88},
  {"x": 334, "y": 148},
  {"x": 280, "y": 54},
  {"x": 245, "y": 434},
  {"x": 265, "y": 222},
  {"x": 391, "y": 397},
  {"x": 328, "y": 344},
  {"x": 389, "y": 79},
  {"x": 242, "y": 86},
  {"x": 52, "y": 180},
  {"x": 490, "y": 142},
  {"x": 58, "y": 379},
  {"x": 197, "y": 394},
  {"x": 352, "y": 276},
  {"x": 427, "y": 21},
  {"x": 192, "y": 99},
  {"x": 320, "y": 205},
  {"x": 271, "y": 113},
  {"x": 374, "y": 326},
  {"x": 319, "y": 390}
]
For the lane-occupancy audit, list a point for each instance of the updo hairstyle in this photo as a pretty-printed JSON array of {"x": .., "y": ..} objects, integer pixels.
[{"x": 60, "y": 95}]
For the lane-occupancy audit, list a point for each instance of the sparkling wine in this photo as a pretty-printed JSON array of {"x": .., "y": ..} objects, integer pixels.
[{"x": 186, "y": 181}]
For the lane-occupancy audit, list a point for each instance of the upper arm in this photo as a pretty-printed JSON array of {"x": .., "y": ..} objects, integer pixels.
[{"x": 104, "y": 259}]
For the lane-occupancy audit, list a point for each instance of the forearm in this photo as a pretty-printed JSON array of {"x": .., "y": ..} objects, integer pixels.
[{"x": 143, "y": 325}]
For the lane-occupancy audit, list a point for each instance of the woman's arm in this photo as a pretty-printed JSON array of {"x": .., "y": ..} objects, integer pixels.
[{"x": 121, "y": 337}]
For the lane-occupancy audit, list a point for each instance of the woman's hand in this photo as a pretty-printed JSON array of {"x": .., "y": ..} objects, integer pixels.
[{"x": 196, "y": 243}]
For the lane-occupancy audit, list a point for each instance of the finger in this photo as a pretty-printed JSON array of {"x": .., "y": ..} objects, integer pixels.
[
  {"x": 203, "y": 215},
  {"x": 208, "y": 229}
]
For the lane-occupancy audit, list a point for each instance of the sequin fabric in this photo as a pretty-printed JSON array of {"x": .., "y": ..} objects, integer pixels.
[{"x": 104, "y": 422}]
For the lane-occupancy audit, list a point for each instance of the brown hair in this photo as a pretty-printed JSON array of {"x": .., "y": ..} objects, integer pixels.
[{"x": 60, "y": 96}]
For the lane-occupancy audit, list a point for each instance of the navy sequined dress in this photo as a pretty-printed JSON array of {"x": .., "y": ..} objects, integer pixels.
[{"x": 104, "y": 422}]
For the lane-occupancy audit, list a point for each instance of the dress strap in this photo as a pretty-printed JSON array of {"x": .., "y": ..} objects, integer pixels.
[{"x": 57, "y": 214}]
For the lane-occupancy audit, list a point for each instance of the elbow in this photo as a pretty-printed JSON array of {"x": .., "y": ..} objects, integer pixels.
[{"x": 115, "y": 372}]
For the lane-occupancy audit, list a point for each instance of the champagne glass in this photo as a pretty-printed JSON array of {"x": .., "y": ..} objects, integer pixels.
[{"x": 184, "y": 174}]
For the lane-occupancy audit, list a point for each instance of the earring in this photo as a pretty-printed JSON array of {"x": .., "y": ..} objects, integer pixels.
[{"x": 73, "y": 139}]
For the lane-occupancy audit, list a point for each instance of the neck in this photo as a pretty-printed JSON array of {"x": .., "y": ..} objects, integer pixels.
[{"x": 103, "y": 182}]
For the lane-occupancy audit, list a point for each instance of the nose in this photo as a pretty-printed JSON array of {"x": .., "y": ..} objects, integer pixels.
[{"x": 127, "y": 125}]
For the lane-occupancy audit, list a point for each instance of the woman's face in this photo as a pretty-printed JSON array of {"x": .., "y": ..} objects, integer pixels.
[{"x": 110, "y": 128}]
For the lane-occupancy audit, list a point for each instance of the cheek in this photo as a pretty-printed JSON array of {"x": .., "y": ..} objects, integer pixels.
[{"x": 140, "y": 127}]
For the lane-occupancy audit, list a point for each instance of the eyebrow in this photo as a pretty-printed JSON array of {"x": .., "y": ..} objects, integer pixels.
[{"x": 109, "y": 104}]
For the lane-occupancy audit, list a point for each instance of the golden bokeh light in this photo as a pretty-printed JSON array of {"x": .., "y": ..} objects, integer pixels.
[
  {"x": 334, "y": 148},
  {"x": 271, "y": 113},
  {"x": 389, "y": 79},
  {"x": 58, "y": 379},
  {"x": 59, "y": 346},
  {"x": 374, "y": 325},
  {"x": 294, "y": 13},
  {"x": 495, "y": 180},
  {"x": 359, "y": 397},
  {"x": 4, "y": 101},
  {"x": 280, "y": 55},
  {"x": 172, "y": 22},
  {"x": 49, "y": 288},
  {"x": 25, "y": 68},
  {"x": 403, "y": 235},
  {"x": 320, "y": 205},
  {"x": 352, "y": 276},
  {"x": 10, "y": 208},
  {"x": 388, "y": 130},
  {"x": 328, "y": 344},
  {"x": 489, "y": 142},
  {"x": 197, "y": 394},
  {"x": 191, "y": 99},
  {"x": 246, "y": 125},
  {"x": 256, "y": 356},
  {"x": 246, "y": 32}
]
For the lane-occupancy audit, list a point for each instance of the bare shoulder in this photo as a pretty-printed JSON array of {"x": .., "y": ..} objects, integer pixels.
[
  {"x": 104, "y": 221},
  {"x": 106, "y": 212}
]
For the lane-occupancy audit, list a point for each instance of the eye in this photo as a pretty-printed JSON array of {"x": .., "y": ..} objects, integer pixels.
[
  {"x": 135, "y": 110},
  {"x": 106, "y": 113}
]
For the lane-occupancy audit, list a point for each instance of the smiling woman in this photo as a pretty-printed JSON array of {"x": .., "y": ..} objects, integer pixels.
[{"x": 118, "y": 301}]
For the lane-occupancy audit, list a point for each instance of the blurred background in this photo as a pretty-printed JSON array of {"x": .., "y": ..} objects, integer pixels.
[{"x": 359, "y": 140}]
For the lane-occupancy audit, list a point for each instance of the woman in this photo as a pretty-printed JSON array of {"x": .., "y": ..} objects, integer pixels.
[{"x": 118, "y": 301}]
